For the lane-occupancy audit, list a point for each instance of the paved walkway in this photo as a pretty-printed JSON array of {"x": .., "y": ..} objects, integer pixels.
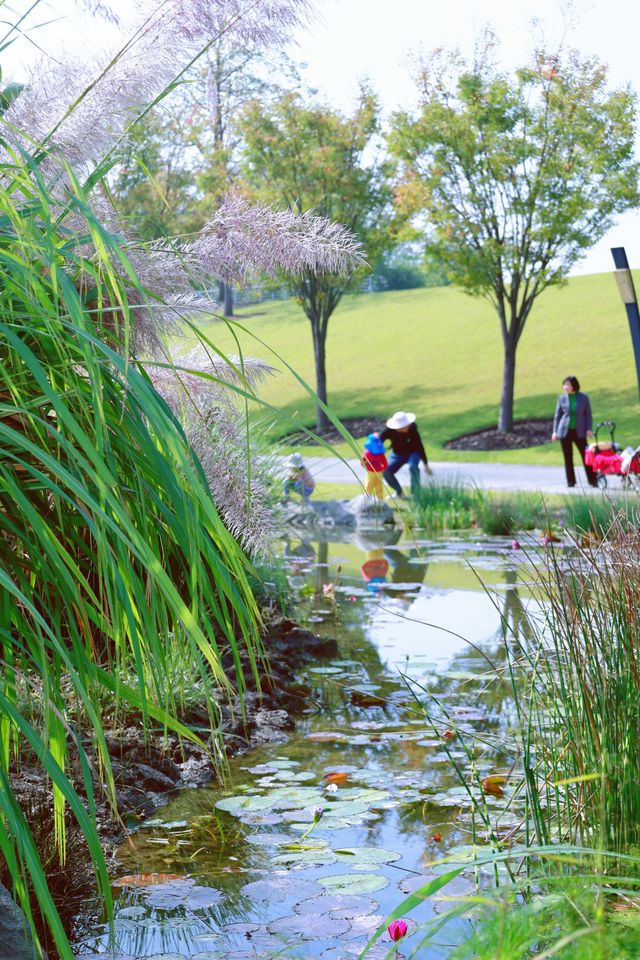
[{"x": 487, "y": 476}]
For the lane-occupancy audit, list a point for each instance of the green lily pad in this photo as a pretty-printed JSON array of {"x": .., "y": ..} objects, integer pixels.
[
  {"x": 367, "y": 856},
  {"x": 278, "y": 889},
  {"x": 314, "y": 926},
  {"x": 338, "y": 905},
  {"x": 247, "y": 804},
  {"x": 319, "y": 857},
  {"x": 354, "y": 882}
]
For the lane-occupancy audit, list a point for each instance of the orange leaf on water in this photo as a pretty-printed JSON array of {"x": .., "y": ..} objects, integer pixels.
[
  {"x": 147, "y": 879},
  {"x": 338, "y": 777},
  {"x": 437, "y": 837},
  {"x": 494, "y": 785}
]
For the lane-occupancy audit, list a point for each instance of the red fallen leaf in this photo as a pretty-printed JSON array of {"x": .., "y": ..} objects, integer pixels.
[
  {"x": 550, "y": 537},
  {"x": 338, "y": 777},
  {"x": 147, "y": 879},
  {"x": 448, "y": 735},
  {"x": 494, "y": 785},
  {"x": 437, "y": 837}
]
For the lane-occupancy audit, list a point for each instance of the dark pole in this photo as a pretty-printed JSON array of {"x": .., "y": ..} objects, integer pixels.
[{"x": 624, "y": 280}]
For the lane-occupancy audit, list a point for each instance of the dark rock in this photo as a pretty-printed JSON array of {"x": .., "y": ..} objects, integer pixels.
[
  {"x": 150, "y": 779},
  {"x": 15, "y": 940}
]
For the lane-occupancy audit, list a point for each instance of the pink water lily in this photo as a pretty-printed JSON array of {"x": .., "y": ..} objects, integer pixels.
[
  {"x": 515, "y": 545},
  {"x": 397, "y": 930}
]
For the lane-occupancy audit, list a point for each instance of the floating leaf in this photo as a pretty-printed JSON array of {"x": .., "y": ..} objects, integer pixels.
[
  {"x": 337, "y": 777},
  {"x": 354, "y": 882},
  {"x": 494, "y": 785},
  {"x": 367, "y": 856},
  {"x": 313, "y": 926},
  {"x": 247, "y": 804},
  {"x": 339, "y": 905},
  {"x": 278, "y": 889},
  {"x": 147, "y": 879}
]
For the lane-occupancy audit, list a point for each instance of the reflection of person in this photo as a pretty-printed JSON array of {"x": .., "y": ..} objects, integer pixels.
[
  {"x": 374, "y": 569},
  {"x": 573, "y": 423},
  {"x": 298, "y": 479},
  {"x": 375, "y": 462},
  {"x": 406, "y": 447},
  {"x": 403, "y": 569}
]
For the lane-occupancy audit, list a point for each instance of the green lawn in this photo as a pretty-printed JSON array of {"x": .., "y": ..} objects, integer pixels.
[{"x": 438, "y": 353}]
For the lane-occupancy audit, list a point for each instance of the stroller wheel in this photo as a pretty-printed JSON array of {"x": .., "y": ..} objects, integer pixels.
[{"x": 602, "y": 481}]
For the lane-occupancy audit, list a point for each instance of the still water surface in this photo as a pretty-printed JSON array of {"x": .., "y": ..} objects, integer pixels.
[{"x": 228, "y": 873}]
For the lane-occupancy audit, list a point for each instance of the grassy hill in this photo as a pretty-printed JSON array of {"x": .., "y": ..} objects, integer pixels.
[{"x": 438, "y": 352}]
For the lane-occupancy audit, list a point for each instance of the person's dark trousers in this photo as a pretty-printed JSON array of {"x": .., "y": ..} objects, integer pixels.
[
  {"x": 395, "y": 463},
  {"x": 567, "y": 450}
]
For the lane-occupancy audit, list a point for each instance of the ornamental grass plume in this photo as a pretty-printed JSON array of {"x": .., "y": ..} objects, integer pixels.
[
  {"x": 199, "y": 389},
  {"x": 80, "y": 108}
]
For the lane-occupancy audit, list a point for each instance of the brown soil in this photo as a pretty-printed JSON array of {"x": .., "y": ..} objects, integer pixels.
[
  {"x": 357, "y": 427},
  {"x": 525, "y": 433}
]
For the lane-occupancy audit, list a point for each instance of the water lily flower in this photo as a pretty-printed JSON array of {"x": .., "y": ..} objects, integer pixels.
[
  {"x": 331, "y": 788},
  {"x": 329, "y": 589},
  {"x": 317, "y": 814},
  {"x": 515, "y": 545},
  {"x": 397, "y": 930}
]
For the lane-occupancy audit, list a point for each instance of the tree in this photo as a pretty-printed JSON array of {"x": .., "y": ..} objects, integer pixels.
[
  {"x": 307, "y": 156},
  {"x": 518, "y": 176}
]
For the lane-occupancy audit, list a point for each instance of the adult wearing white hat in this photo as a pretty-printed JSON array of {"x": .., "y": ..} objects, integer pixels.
[{"x": 406, "y": 447}]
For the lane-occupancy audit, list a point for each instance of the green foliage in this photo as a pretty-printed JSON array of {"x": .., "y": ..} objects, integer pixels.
[
  {"x": 404, "y": 351},
  {"x": 518, "y": 176},
  {"x": 110, "y": 542},
  {"x": 600, "y": 514},
  {"x": 503, "y": 515},
  {"x": 444, "y": 504},
  {"x": 305, "y": 156}
]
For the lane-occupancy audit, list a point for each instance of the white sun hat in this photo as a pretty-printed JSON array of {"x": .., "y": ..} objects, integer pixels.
[
  {"x": 401, "y": 419},
  {"x": 295, "y": 460}
]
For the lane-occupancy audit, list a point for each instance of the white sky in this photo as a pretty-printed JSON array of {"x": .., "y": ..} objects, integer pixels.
[{"x": 377, "y": 39}]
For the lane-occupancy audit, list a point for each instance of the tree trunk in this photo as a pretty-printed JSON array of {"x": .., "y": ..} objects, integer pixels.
[
  {"x": 228, "y": 300},
  {"x": 322, "y": 420},
  {"x": 505, "y": 421}
]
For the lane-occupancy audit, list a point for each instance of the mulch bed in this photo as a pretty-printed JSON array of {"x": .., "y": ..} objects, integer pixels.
[
  {"x": 357, "y": 427},
  {"x": 525, "y": 433}
]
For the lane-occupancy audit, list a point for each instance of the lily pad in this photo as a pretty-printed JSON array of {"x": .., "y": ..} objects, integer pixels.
[
  {"x": 238, "y": 805},
  {"x": 278, "y": 889},
  {"x": 318, "y": 857},
  {"x": 367, "y": 856},
  {"x": 339, "y": 905},
  {"x": 313, "y": 926},
  {"x": 181, "y": 893},
  {"x": 354, "y": 882},
  {"x": 268, "y": 839}
]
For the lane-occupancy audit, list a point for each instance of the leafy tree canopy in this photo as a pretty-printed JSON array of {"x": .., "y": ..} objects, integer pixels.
[{"x": 517, "y": 175}]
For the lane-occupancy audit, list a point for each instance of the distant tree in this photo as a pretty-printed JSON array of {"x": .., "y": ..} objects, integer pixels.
[
  {"x": 517, "y": 176},
  {"x": 306, "y": 156}
]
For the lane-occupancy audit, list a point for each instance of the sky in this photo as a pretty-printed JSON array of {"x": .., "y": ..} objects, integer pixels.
[{"x": 380, "y": 40}]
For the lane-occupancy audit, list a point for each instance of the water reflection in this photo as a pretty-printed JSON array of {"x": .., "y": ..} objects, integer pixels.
[{"x": 415, "y": 623}]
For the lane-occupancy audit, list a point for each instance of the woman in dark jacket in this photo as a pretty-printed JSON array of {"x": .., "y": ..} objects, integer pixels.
[{"x": 573, "y": 423}]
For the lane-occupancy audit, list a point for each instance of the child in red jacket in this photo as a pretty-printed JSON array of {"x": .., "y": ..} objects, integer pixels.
[{"x": 375, "y": 462}]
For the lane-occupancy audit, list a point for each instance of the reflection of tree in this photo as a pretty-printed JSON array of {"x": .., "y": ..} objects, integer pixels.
[{"x": 515, "y": 622}]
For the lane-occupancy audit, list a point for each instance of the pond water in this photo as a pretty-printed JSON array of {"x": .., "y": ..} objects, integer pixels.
[{"x": 243, "y": 872}]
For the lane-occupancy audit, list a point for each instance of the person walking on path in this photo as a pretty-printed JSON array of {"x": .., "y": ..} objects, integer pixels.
[
  {"x": 406, "y": 447},
  {"x": 375, "y": 462},
  {"x": 573, "y": 423}
]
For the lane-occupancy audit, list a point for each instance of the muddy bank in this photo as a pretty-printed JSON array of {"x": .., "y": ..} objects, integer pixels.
[{"x": 149, "y": 766}]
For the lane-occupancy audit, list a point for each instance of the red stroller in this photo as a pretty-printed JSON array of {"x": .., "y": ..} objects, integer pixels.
[{"x": 606, "y": 459}]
